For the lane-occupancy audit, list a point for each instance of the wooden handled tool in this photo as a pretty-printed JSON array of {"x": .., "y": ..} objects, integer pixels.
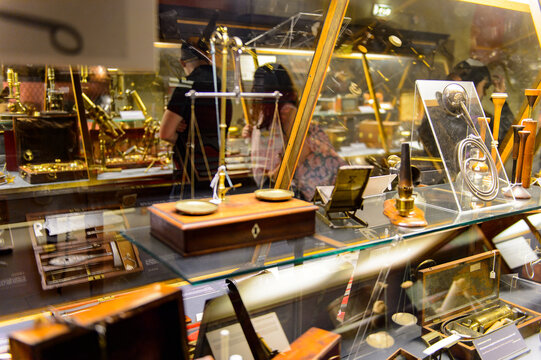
[
  {"x": 523, "y": 137},
  {"x": 531, "y": 126},
  {"x": 531, "y": 97},
  {"x": 516, "y": 145},
  {"x": 498, "y": 99},
  {"x": 483, "y": 123}
]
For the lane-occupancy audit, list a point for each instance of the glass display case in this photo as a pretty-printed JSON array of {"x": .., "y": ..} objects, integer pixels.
[{"x": 84, "y": 158}]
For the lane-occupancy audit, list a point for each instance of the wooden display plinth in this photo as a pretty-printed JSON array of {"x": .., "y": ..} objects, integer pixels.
[{"x": 242, "y": 220}]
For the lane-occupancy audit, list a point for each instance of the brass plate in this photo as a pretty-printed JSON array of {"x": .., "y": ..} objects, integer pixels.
[
  {"x": 404, "y": 319},
  {"x": 195, "y": 207},
  {"x": 380, "y": 340},
  {"x": 273, "y": 194}
]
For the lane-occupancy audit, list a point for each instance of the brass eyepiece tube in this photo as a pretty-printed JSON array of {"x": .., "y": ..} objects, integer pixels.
[
  {"x": 139, "y": 102},
  {"x": 11, "y": 82},
  {"x": 405, "y": 202}
]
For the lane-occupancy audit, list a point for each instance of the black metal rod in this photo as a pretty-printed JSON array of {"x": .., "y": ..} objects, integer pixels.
[{"x": 257, "y": 347}]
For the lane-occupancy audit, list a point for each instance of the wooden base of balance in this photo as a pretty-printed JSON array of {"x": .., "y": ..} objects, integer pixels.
[
  {"x": 416, "y": 218},
  {"x": 242, "y": 220}
]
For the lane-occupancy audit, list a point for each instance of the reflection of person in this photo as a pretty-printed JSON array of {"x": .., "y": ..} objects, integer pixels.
[
  {"x": 318, "y": 162},
  {"x": 176, "y": 119},
  {"x": 476, "y": 71}
]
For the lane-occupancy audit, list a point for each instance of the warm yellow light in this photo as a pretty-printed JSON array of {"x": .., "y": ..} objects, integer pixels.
[
  {"x": 516, "y": 5},
  {"x": 166, "y": 45}
]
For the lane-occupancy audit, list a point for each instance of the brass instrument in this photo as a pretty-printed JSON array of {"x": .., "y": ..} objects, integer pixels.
[
  {"x": 107, "y": 126},
  {"x": 151, "y": 125},
  {"x": 53, "y": 97},
  {"x": 402, "y": 210},
  {"x": 484, "y": 321},
  {"x": 15, "y": 92},
  {"x": 221, "y": 36},
  {"x": 405, "y": 201},
  {"x": 103, "y": 119}
]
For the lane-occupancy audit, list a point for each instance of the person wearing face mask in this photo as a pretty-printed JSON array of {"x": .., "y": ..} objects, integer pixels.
[{"x": 176, "y": 119}]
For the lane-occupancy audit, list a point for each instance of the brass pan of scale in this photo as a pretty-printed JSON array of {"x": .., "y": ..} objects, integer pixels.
[{"x": 454, "y": 99}]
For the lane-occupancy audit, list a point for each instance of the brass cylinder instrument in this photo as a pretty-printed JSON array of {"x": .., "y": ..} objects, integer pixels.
[
  {"x": 482, "y": 322},
  {"x": 150, "y": 125},
  {"x": 405, "y": 201},
  {"x": 104, "y": 120},
  {"x": 15, "y": 92}
]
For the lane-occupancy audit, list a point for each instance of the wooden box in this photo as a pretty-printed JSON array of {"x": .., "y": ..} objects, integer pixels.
[
  {"x": 464, "y": 288},
  {"x": 147, "y": 323},
  {"x": 242, "y": 220},
  {"x": 53, "y": 172},
  {"x": 77, "y": 248}
]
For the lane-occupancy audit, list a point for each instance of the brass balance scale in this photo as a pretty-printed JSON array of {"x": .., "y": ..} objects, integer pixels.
[{"x": 193, "y": 226}]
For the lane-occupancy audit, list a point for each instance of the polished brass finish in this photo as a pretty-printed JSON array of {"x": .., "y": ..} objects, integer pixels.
[
  {"x": 52, "y": 168},
  {"x": 150, "y": 125},
  {"x": 345, "y": 197},
  {"x": 316, "y": 75},
  {"x": 195, "y": 207},
  {"x": 405, "y": 202},
  {"x": 273, "y": 194},
  {"x": 221, "y": 36},
  {"x": 104, "y": 120},
  {"x": 482, "y": 322},
  {"x": 53, "y": 97},
  {"x": 15, "y": 92}
]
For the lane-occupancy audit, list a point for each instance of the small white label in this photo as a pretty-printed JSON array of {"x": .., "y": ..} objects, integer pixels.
[
  {"x": 475, "y": 267},
  {"x": 132, "y": 115},
  {"x": 37, "y": 229}
]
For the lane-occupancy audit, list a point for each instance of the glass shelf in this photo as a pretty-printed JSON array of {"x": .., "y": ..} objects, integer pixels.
[{"x": 326, "y": 241}]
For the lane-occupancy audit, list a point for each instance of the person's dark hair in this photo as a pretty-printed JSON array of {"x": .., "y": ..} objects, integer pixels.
[
  {"x": 190, "y": 52},
  {"x": 470, "y": 70},
  {"x": 267, "y": 79}
]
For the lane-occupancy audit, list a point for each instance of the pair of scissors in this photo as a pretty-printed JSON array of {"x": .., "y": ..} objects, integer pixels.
[{"x": 57, "y": 31}]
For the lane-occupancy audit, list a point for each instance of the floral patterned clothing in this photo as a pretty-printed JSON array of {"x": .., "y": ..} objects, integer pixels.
[{"x": 321, "y": 164}]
